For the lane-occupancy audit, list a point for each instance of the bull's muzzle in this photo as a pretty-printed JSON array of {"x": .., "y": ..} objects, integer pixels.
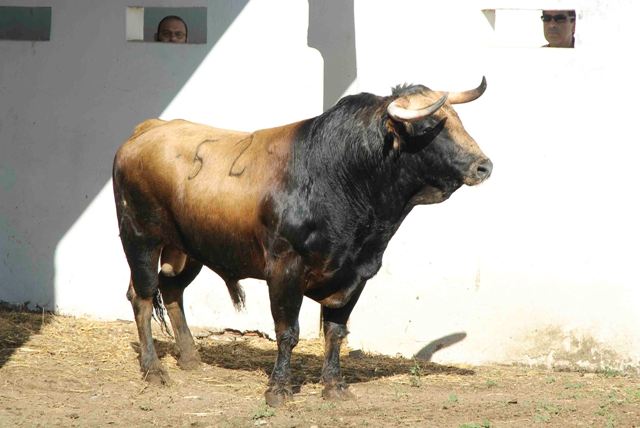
[{"x": 479, "y": 172}]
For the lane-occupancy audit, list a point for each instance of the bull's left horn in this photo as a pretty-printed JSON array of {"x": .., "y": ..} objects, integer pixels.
[
  {"x": 400, "y": 113},
  {"x": 468, "y": 96}
]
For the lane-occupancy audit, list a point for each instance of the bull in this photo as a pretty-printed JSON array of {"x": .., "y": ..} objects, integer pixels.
[{"x": 309, "y": 207}]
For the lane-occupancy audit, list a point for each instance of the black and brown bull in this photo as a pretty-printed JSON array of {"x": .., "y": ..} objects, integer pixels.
[{"x": 309, "y": 207}]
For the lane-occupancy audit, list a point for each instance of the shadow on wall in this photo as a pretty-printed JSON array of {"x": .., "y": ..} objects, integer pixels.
[
  {"x": 426, "y": 353},
  {"x": 55, "y": 164},
  {"x": 332, "y": 32}
]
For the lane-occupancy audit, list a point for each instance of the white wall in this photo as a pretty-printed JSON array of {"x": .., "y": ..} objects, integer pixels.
[
  {"x": 75, "y": 99},
  {"x": 535, "y": 265}
]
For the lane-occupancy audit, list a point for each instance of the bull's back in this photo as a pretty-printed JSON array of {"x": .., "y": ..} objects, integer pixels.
[{"x": 192, "y": 166}]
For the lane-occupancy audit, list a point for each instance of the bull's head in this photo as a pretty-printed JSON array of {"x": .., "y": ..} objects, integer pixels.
[{"x": 424, "y": 124}]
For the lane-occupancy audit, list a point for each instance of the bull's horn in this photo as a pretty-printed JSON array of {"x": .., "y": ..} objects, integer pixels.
[
  {"x": 468, "y": 96},
  {"x": 400, "y": 113}
]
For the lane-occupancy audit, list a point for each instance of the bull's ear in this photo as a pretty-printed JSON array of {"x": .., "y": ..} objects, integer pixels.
[
  {"x": 407, "y": 132},
  {"x": 396, "y": 134},
  {"x": 408, "y": 117}
]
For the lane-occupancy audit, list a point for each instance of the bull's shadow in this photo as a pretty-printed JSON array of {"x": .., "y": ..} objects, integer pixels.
[
  {"x": 426, "y": 353},
  {"x": 306, "y": 360}
]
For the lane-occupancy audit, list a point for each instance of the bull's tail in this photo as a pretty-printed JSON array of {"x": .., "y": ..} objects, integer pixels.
[
  {"x": 159, "y": 311},
  {"x": 237, "y": 294},
  {"x": 235, "y": 291}
]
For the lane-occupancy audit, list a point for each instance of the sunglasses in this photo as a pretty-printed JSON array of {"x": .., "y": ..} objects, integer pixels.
[{"x": 558, "y": 18}]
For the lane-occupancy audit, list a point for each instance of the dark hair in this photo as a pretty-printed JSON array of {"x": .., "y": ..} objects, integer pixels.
[{"x": 168, "y": 18}]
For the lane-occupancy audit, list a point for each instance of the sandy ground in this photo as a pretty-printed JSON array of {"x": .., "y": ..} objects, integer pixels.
[{"x": 63, "y": 371}]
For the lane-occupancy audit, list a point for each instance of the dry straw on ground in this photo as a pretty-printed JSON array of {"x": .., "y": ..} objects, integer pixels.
[{"x": 64, "y": 371}]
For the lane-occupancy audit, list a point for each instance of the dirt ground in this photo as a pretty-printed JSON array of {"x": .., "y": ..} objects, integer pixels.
[{"x": 63, "y": 371}]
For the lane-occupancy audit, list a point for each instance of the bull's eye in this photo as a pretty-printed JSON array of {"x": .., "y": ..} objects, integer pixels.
[
  {"x": 420, "y": 134},
  {"x": 427, "y": 132}
]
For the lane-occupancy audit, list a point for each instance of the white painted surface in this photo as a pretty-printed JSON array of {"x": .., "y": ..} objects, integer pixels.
[
  {"x": 75, "y": 99},
  {"x": 549, "y": 242},
  {"x": 135, "y": 23},
  {"x": 542, "y": 254}
]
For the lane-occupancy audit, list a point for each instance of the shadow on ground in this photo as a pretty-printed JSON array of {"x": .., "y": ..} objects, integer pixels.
[
  {"x": 17, "y": 324},
  {"x": 426, "y": 353},
  {"x": 257, "y": 354}
]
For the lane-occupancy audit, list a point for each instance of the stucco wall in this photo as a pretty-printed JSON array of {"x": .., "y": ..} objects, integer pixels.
[
  {"x": 535, "y": 265},
  {"x": 539, "y": 261},
  {"x": 69, "y": 103}
]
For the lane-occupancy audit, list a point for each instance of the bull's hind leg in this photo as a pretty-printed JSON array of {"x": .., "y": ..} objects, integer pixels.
[
  {"x": 172, "y": 288},
  {"x": 143, "y": 288},
  {"x": 335, "y": 330}
]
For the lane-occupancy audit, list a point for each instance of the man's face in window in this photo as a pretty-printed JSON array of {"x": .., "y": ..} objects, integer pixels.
[
  {"x": 172, "y": 31},
  {"x": 559, "y": 27}
]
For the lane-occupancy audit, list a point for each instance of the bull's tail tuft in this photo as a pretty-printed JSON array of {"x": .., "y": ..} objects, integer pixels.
[
  {"x": 237, "y": 294},
  {"x": 158, "y": 313}
]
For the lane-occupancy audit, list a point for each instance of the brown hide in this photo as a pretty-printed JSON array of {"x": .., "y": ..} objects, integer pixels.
[{"x": 184, "y": 179}]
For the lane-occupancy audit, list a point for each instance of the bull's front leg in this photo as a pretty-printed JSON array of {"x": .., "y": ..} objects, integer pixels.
[
  {"x": 335, "y": 330},
  {"x": 285, "y": 294}
]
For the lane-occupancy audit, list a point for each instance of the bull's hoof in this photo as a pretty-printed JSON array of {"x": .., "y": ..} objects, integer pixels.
[
  {"x": 277, "y": 396},
  {"x": 337, "y": 392},
  {"x": 156, "y": 375},
  {"x": 189, "y": 362}
]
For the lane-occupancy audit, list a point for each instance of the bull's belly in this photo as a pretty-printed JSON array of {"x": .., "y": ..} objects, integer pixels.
[
  {"x": 235, "y": 269},
  {"x": 230, "y": 259}
]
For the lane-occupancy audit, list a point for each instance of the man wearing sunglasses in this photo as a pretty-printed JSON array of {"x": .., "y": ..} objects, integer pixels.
[{"x": 559, "y": 28}]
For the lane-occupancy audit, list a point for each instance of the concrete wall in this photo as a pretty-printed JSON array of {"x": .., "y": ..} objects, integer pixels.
[
  {"x": 69, "y": 103},
  {"x": 536, "y": 265}
]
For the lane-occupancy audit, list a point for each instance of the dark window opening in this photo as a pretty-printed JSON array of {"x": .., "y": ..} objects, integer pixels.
[
  {"x": 25, "y": 23},
  {"x": 181, "y": 25}
]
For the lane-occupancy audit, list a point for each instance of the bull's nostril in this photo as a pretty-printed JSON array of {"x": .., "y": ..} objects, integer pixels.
[{"x": 484, "y": 169}]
